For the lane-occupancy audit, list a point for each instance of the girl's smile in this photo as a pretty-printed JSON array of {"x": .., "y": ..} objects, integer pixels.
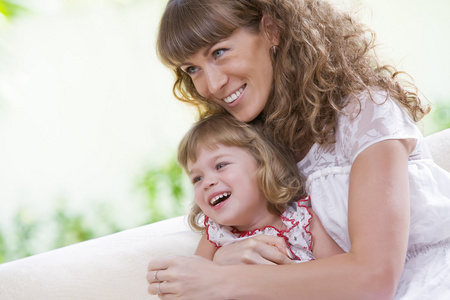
[{"x": 226, "y": 187}]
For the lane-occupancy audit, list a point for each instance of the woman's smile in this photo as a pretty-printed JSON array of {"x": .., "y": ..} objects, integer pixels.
[
  {"x": 230, "y": 99},
  {"x": 236, "y": 73}
]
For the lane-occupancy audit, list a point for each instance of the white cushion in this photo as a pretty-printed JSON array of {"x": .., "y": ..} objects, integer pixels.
[
  {"x": 439, "y": 144},
  {"x": 110, "y": 267}
]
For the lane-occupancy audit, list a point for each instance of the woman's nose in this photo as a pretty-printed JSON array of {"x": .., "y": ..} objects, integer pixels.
[{"x": 215, "y": 79}]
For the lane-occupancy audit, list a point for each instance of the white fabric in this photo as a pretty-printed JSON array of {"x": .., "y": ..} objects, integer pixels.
[
  {"x": 296, "y": 218},
  {"x": 328, "y": 169},
  {"x": 114, "y": 267}
]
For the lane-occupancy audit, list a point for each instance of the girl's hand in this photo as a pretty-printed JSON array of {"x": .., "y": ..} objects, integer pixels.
[
  {"x": 261, "y": 249},
  {"x": 180, "y": 277}
]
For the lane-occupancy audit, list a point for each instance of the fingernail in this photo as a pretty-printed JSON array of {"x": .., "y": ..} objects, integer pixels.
[{"x": 289, "y": 253}]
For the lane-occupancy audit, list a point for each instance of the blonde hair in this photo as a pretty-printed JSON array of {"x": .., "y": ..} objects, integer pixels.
[
  {"x": 277, "y": 174},
  {"x": 324, "y": 56}
]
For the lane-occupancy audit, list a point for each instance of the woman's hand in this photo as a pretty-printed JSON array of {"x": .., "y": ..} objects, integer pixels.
[
  {"x": 184, "y": 277},
  {"x": 261, "y": 249}
]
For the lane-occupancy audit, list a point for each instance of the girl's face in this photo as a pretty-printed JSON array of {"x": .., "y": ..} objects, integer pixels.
[
  {"x": 236, "y": 73},
  {"x": 226, "y": 188}
]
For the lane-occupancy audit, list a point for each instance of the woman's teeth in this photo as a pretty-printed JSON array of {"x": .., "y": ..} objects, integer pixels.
[
  {"x": 219, "y": 198},
  {"x": 233, "y": 96}
]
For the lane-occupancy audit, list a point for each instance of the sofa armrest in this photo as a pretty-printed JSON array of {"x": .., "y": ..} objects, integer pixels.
[
  {"x": 110, "y": 267},
  {"x": 439, "y": 144}
]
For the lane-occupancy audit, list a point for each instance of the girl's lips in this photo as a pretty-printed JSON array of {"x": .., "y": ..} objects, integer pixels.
[
  {"x": 230, "y": 99},
  {"x": 219, "y": 198},
  {"x": 220, "y": 203}
]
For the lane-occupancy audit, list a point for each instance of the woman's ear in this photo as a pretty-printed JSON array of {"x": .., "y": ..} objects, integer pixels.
[{"x": 270, "y": 29}]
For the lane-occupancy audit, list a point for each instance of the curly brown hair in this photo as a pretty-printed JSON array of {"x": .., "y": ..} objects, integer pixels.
[
  {"x": 277, "y": 174},
  {"x": 324, "y": 57}
]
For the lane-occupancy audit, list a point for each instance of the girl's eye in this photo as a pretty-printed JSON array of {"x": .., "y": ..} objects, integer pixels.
[
  {"x": 218, "y": 53},
  {"x": 220, "y": 166},
  {"x": 196, "y": 179}
]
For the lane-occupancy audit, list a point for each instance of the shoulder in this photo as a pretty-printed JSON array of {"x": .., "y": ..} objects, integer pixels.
[
  {"x": 369, "y": 118},
  {"x": 217, "y": 234}
]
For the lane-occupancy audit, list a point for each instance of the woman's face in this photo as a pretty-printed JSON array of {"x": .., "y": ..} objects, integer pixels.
[{"x": 235, "y": 72}]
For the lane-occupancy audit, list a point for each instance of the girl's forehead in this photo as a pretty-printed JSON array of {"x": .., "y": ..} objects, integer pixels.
[{"x": 215, "y": 150}]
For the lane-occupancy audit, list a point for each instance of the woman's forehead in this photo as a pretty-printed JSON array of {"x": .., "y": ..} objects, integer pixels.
[{"x": 185, "y": 30}]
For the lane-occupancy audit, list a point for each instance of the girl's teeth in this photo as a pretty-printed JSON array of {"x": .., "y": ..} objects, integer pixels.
[
  {"x": 217, "y": 198},
  {"x": 233, "y": 96}
]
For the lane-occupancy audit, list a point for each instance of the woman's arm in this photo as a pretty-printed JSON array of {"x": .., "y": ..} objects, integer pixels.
[
  {"x": 378, "y": 228},
  {"x": 323, "y": 245},
  {"x": 205, "y": 248}
]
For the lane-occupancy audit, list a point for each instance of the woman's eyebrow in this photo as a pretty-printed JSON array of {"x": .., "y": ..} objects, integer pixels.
[{"x": 205, "y": 53}]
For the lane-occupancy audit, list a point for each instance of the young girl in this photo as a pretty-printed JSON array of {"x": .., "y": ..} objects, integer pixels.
[
  {"x": 244, "y": 186},
  {"x": 309, "y": 73}
]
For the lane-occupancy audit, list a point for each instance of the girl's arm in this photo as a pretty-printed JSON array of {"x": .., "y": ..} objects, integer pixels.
[
  {"x": 378, "y": 227},
  {"x": 205, "y": 248}
]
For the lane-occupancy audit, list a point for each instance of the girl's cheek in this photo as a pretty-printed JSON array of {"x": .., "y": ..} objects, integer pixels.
[{"x": 197, "y": 196}]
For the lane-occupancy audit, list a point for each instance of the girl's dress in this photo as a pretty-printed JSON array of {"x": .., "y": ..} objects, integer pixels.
[
  {"x": 427, "y": 269},
  {"x": 296, "y": 218}
]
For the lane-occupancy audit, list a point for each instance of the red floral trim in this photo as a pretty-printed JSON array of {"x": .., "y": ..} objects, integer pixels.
[
  {"x": 280, "y": 233},
  {"x": 307, "y": 199},
  {"x": 206, "y": 223}
]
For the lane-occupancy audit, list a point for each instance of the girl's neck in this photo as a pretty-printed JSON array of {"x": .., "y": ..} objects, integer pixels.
[{"x": 275, "y": 221}]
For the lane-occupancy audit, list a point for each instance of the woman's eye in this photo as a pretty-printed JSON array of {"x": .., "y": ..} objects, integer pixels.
[
  {"x": 218, "y": 53},
  {"x": 190, "y": 70}
]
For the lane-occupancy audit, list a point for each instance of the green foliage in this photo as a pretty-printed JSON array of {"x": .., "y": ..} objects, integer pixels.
[
  {"x": 71, "y": 227},
  {"x": 156, "y": 181},
  {"x": 439, "y": 117},
  {"x": 164, "y": 190},
  {"x": 10, "y": 9}
]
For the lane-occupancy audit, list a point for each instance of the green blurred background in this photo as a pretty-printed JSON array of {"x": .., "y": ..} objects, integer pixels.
[{"x": 89, "y": 127}]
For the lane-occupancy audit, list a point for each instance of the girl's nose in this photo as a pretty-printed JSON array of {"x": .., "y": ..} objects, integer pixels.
[{"x": 209, "y": 182}]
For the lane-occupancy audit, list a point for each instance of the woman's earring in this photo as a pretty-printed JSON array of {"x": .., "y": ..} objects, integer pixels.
[{"x": 274, "y": 50}]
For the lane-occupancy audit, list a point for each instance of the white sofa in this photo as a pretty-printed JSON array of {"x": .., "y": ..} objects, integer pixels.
[{"x": 114, "y": 266}]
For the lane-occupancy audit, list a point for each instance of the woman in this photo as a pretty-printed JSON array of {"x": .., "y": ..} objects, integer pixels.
[{"x": 309, "y": 73}]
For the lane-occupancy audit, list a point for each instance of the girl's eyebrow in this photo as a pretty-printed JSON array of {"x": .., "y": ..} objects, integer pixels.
[{"x": 214, "y": 158}]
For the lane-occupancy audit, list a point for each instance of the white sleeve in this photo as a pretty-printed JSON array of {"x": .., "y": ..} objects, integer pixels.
[{"x": 370, "y": 121}]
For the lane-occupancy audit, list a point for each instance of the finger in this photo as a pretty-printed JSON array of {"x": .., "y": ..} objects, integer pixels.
[
  {"x": 275, "y": 241},
  {"x": 163, "y": 288},
  {"x": 252, "y": 258},
  {"x": 155, "y": 276},
  {"x": 274, "y": 255},
  {"x": 278, "y": 242},
  {"x": 160, "y": 263}
]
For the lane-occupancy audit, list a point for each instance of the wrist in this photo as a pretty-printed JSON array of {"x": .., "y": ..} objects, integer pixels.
[
  {"x": 231, "y": 287},
  {"x": 235, "y": 285}
]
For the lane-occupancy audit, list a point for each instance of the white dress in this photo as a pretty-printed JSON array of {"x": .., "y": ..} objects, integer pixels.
[
  {"x": 296, "y": 219},
  {"x": 427, "y": 270}
]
